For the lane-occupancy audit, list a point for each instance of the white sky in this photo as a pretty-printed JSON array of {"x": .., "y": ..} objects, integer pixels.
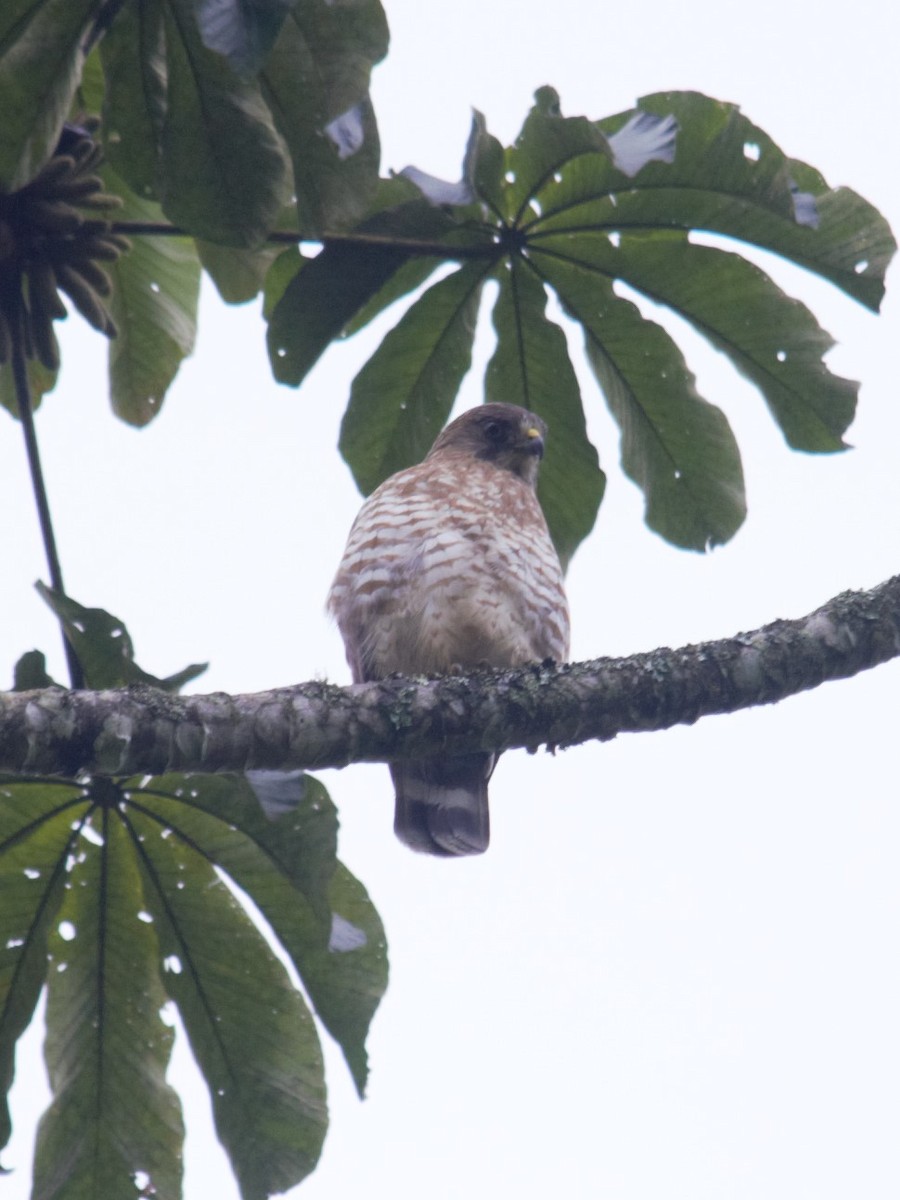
[{"x": 674, "y": 976}]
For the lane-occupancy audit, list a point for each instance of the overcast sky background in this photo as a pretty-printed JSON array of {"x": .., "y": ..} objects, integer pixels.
[{"x": 675, "y": 975}]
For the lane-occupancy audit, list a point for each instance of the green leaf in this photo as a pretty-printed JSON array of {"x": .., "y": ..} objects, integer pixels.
[
  {"x": 250, "y": 1032},
  {"x": 390, "y": 194},
  {"x": 484, "y": 165},
  {"x": 676, "y": 447},
  {"x": 406, "y": 279},
  {"x": 331, "y": 288},
  {"x": 113, "y": 1117},
  {"x": 482, "y": 175},
  {"x": 720, "y": 150},
  {"x": 221, "y": 815},
  {"x": 104, "y": 648},
  {"x": 156, "y": 287},
  {"x": 223, "y": 169},
  {"x": 545, "y": 144},
  {"x": 31, "y": 672},
  {"x": 41, "y": 58},
  {"x": 346, "y": 978},
  {"x": 531, "y": 367},
  {"x": 276, "y": 839},
  {"x": 283, "y": 269},
  {"x": 401, "y": 398},
  {"x": 238, "y": 274},
  {"x": 316, "y": 82},
  {"x": 40, "y": 382},
  {"x": 134, "y": 104},
  {"x": 36, "y": 833},
  {"x": 773, "y": 340},
  {"x": 243, "y": 31},
  {"x": 727, "y": 177},
  {"x": 319, "y": 301}
]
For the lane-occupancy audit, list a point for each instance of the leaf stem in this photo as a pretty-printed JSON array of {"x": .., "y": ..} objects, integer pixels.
[
  {"x": 289, "y": 237},
  {"x": 26, "y": 416}
]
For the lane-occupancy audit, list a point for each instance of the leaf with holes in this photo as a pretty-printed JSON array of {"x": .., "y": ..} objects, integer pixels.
[
  {"x": 36, "y": 839},
  {"x": 275, "y": 835},
  {"x": 678, "y": 448},
  {"x": 156, "y": 287},
  {"x": 330, "y": 289},
  {"x": 741, "y": 311},
  {"x": 113, "y": 1119},
  {"x": 531, "y": 366},
  {"x": 251, "y": 1034},
  {"x": 583, "y": 205},
  {"x": 347, "y": 977},
  {"x": 104, "y": 647}
]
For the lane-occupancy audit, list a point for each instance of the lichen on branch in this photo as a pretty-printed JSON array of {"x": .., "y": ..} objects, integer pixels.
[{"x": 143, "y": 730}]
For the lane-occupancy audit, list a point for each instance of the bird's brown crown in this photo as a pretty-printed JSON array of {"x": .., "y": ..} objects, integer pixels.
[{"x": 504, "y": 434}]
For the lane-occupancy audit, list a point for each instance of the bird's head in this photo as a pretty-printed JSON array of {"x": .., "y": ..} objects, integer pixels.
[{"x": 510, "y": 437}]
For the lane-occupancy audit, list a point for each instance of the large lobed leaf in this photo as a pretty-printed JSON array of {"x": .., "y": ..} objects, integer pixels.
[
  {"x": 738, "y": 308},
  {"x": 118, "y": 883},
  {"x": 675, "y": 446},
  {"x": 222, "y": 166},
  {"x": 114, "y": 1124},
  {"x": 36, "y": 836},
  {"x": 133, "y": 98},
  {"x": 328, "y": 291},
  {"x": 275, "y": 836},
  {"x": 243, "y": 31},
  {"x": 209, "y": 106},
  {"x": 531, "y": 366},
  {"x": 401, "y": 398},
  {"x": 249, "y": 1029},
  {"x": 583, "y": 205}
]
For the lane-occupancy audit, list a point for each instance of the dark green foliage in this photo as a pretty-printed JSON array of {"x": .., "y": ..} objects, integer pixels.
[
  {"x": 31, "y": 672},
  {"x": 580, "y": 207},
  {"x": 104, "y": 649},
  {"x": 154, "y": 304},
  {"x": 401, "y": 398},
  {"x": 210, "y": 112},
  {"x": 41, "y": 59},
  {"x": 531, "y": 366},
  {"x": 110, "y": 898}
]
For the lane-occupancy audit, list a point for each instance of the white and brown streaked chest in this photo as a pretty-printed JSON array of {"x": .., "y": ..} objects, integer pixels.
[{"x": 450, "y": 564}]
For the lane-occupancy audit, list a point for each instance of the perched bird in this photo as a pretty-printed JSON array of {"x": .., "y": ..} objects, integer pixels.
[{"x": 449, "y": 566}]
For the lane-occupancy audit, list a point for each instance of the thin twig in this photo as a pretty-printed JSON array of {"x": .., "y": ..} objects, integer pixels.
[{"x": 26, "y": 416}]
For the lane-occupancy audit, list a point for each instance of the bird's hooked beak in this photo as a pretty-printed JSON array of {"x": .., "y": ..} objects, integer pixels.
[{"x": 534, "y": 442}]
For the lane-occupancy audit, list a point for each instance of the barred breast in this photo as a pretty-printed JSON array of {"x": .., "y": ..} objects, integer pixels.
[{"x": 450, "y": 564}]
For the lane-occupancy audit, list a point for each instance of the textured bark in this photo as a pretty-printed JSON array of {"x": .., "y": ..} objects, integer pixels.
[{"x": 140, "y": 730}]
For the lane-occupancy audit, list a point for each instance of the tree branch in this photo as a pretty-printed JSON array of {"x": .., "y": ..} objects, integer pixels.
[{"x": 141, "y": 730}]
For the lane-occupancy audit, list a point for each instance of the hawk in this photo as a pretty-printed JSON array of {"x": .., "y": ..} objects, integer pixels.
[{"x": 449, "y": 566}]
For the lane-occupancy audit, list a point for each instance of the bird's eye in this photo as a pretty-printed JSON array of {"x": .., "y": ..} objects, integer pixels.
[{"x": 493, "y": 431}]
